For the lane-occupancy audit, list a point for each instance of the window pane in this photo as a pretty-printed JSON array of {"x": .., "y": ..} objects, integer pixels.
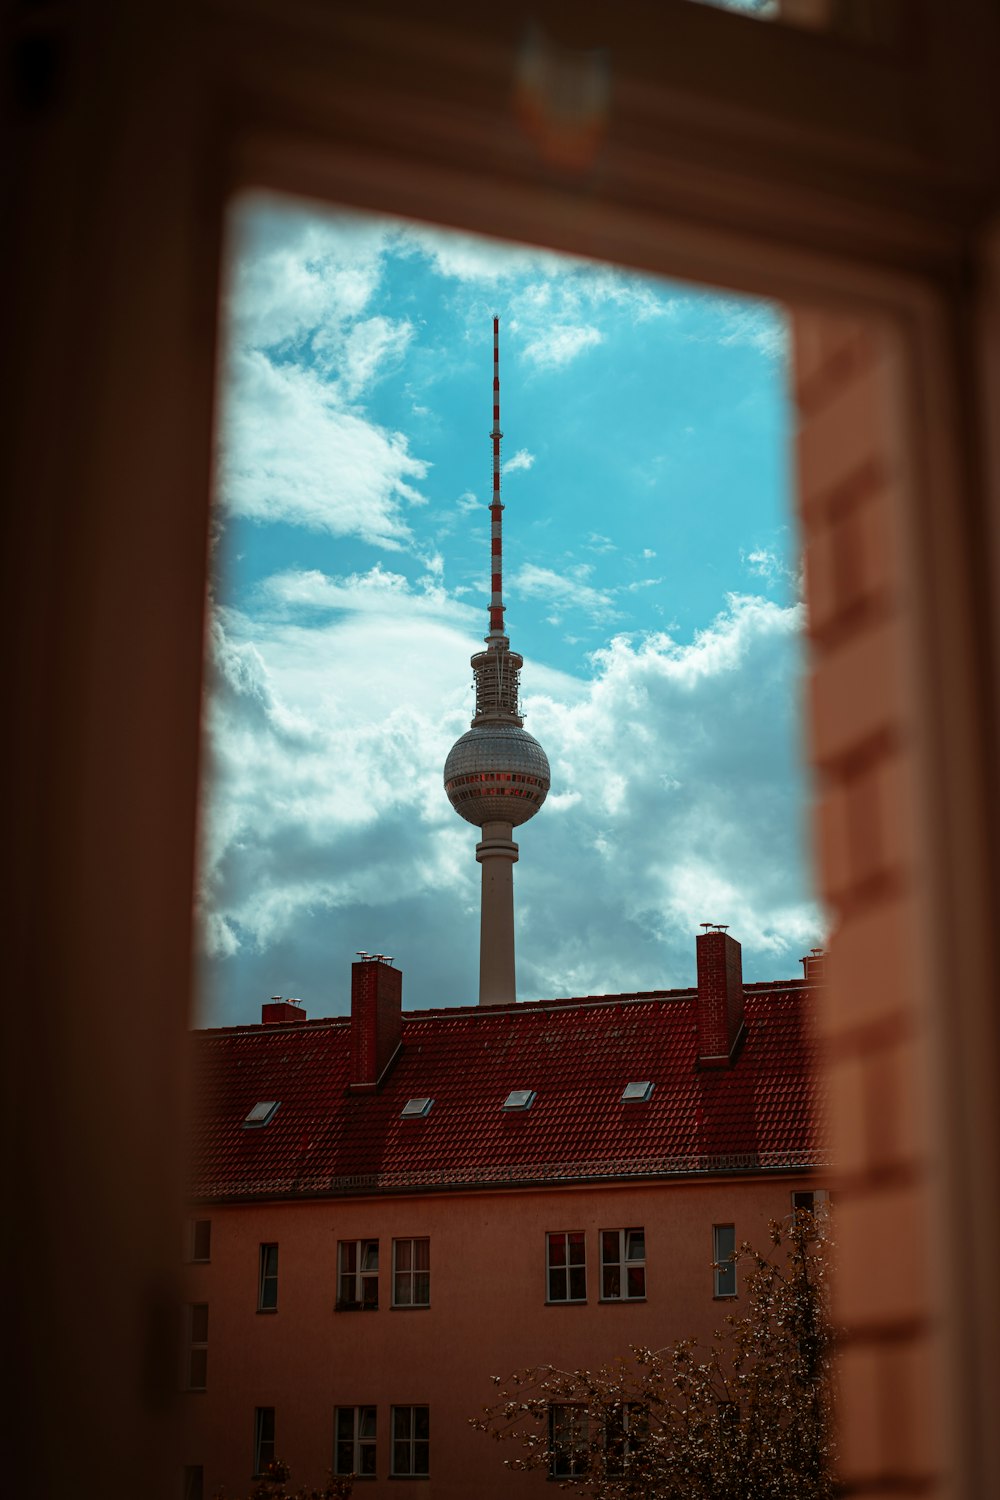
[
  {"x": 345, "y": 1457},
  {"x": 557, "y": 1249},
  {"x": 421, "y": 1458},
  {"x": 422, "y": 1255},
  {"x": 369, "y": 1292},
  {"x": 401, "y": 1458},
  {"x": 370, "y": 1262},
  {"x": 636, "y": 1244},
  {"x": 609, "y": 1245},
  {"x": 726, "y": 1281},
  {"x": 577, "y": 1284},
  {"x": 270, "y": 1260},
  {"x": 401, "y": 1290},
  {"x": 577, "y": 1249},
  {"x": 403, "y": 1254},
  {"x": 725, "y": 1240},
  {"x": 637, "y": 1281},
  {"x": 557, "y": 1286},
  {"x": 422, "y": 1423},
  {"x": 422, "y": 1288},
  {"x": 401, "y": 1422},
  {"x": 367, "y": 1424},
  {"x": 611, "y": 1283},
  {"x": 348, "y": 1255},
  {"x": 368, "y": 1458},
  {"x": 198, "y": 1369}
]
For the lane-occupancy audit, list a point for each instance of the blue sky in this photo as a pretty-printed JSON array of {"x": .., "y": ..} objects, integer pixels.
[{"x": 651, "y": 581}]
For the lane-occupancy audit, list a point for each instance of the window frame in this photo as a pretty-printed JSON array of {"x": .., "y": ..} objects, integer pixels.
[
  {"x": 195, "y": 1346},
  {"x": 567, "y": 1267},
  {"x": 267, "y": 1276},
  {"x": 411, "y": 1440},
  {"x": 192, "y": 1256},
  {"x": 620, "y": 1421},
  {"x": 412, "y": 1271},
  {"x": 261, "y": 1440},
  {"x": 623, "y": 1265},
  {"x": 724, "y": 1264},
  {"x": 360, "y": 1277},
  {"x": 577, "y": 1451},
  {"x": 359, "y": 1441}
]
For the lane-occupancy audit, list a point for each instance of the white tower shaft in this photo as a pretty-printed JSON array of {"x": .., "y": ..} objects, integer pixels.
[{"x": 498, "y": 855}]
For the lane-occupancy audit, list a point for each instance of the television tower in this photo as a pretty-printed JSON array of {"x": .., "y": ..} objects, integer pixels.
[{"x": 497, "y": 774}]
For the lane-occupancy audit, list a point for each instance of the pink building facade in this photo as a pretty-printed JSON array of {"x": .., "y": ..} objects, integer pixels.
[{"x": 391, "y": 1208}]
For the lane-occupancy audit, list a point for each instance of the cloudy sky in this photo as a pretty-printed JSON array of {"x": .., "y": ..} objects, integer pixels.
[{"x": 651, "y": 583}]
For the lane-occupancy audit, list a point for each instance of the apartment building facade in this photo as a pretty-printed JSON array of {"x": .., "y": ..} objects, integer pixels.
[{"x": 389, "y": 1208}]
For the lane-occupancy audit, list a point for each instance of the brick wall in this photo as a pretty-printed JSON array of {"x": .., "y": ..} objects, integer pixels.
[{"x": 887, "y": 1298}]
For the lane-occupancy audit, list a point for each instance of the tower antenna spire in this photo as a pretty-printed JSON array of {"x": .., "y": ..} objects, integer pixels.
[
  {"x": 496, "y": 504},
  {"x": 497, "y": 775}
]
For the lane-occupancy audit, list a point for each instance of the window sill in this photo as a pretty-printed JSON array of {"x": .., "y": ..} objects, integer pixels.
[
  {"x": 612, "y": 1301},
  {"x": 267, "y": 1312},
  {"x": 410, "y": 1307},
  {"x": 405, "y": 1477},
  {"x": 726, "y": 1297},
  {"x": 567, "y": 1302}
]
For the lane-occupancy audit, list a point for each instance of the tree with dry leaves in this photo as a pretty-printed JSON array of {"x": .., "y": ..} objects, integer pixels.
[
  {"x": 274, "y": 1484},
  {"x": 748, "y": 1417}
]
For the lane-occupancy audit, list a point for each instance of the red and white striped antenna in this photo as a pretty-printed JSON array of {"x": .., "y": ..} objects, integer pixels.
[{"x": 496, "y": 505}]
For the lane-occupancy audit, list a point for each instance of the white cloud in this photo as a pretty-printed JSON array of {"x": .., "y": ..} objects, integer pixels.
[
  {"x": 568, "y": 592},
  {"x": 556, "y": 345},
  {"x": 648, "y": 552},
  {"x": 467, "y": 501},
  {"x": 766, "y": 564},
  {"x": 673, "y": 801},
  {"x": 289, "y": 452},
  {"x": 370, "y": 348},
  {"x": 522, "y": 459}
]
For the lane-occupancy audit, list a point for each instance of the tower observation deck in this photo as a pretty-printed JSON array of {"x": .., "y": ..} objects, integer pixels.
[{"x": 497, "y": 774}]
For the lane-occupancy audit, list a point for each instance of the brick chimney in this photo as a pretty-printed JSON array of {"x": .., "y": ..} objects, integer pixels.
[
  {"x": 376, "y": 1020},
  {"x": 276, "y": 1010},
  {"x": 814, "y": 966},
  {"x": 720, "y": 996}
]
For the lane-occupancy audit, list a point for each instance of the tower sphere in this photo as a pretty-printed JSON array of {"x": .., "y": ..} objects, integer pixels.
[{"x": 496, "y": 773}]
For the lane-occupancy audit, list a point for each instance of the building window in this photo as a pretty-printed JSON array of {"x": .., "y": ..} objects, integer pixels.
[
  {"x": 625, "y": 1425},
  {"x": 411, "y": 1273},
  {"x": 808, "y": 1203},
  {"x": 263, "y": 1439},
  {"x": 267, "y": 1280},
  {"x": 566, "y": 1265},
  {"x": 623, "y": 1264},
  {"x": 199, "y": 1246},
  {"x": 568, "y": 1441},
  {"x": 354, "y": 1447},
  {"x": 724, "y": 1249},
  {"x": 196, "y": 1372},
  {"x": 357, "y": 1263},
  {"x": 411, "y": 1440},
  {"x": 194, "y": 1482}
]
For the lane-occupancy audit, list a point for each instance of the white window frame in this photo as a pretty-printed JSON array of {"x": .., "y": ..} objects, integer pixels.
[
  {"x": 819, "y": 1196},
  {"x": 565, "y": 1269},
  {"x": 266, "y": 1276},
  {"x": 411, "y": 1441},
  {"x": 627, "y": 1415},
  {"x": 361, "y": 1443},
  {"x": 361, "y": 1277},
  {"x": 723, "y": 1264},
  {"x": 409, "y": 1274},
  {"x": 569, "y": 1451},
  {"x": 195, "y": 1346},
  {"x": 192, "y": 1242},
  {"x": 623, "y": 1264},
  {"x": 258, "y": 1439}
]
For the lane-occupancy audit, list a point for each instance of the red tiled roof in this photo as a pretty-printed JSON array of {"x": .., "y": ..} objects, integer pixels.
[{"x": 762, "y": 1112}]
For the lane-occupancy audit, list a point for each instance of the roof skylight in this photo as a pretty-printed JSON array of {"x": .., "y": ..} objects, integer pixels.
[
  {"x": 262, "y": 1113},
  {"x": 415, "y": 1109},
  {"x": 519, "y": 1099},
  {"x": 637, "y": 1093}
]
